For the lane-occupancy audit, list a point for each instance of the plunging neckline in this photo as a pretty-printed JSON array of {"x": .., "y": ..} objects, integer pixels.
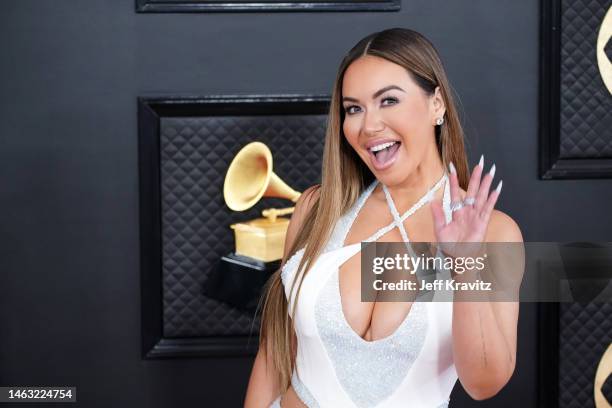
[
  {"x": 427, "y": 197},
  {"x": 389, "y": 337}
]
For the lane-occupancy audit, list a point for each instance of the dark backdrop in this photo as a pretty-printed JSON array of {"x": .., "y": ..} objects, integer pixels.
[{"x": 70, "y": 73}]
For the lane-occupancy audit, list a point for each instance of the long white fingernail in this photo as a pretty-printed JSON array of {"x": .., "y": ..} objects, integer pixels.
[
  {"x": 451, "y": 167},
  {"x": 481, "y": 161},
  {"x": 492, "y": 171},
  {"x": 499, "y": 186}
]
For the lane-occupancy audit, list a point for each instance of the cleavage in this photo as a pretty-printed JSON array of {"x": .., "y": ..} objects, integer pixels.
[{"x": 372, "y": 321}]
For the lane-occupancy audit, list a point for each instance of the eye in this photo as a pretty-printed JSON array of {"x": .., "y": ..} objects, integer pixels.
[
  {"x": 392, "y": 99},
  {"x": 348, "y": 110}
]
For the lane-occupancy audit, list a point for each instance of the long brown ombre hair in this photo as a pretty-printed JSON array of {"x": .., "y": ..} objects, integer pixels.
[{"x": 345, "y": 176}]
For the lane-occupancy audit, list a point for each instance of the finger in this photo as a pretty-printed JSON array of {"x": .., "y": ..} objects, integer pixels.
[
  {"x": 438, "y": 215},
  {"x": 483, "y": 189},
  {"x": 487, "y": 210},
  {"x": 454, "y": 184},
  {"x": 472, "y": 189}
]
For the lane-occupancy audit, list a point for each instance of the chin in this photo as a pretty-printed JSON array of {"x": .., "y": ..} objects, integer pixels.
[{"x": 392, "y": 176}]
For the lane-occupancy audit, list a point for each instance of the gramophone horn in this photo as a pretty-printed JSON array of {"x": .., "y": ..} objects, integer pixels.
[{"x": 250, "y": 177}]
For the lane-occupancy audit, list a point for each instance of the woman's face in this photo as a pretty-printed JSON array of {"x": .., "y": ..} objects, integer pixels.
[{"x": 384, "y": 107}]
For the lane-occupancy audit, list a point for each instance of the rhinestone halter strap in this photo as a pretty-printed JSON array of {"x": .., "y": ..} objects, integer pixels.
[{"x": 398, "y": 221}]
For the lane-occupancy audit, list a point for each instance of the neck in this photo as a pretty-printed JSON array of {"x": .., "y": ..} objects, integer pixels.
[{"x": 418, "y": 182}]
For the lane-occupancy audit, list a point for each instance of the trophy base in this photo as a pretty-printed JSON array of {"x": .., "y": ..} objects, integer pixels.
[
  {"x": 238, "y": 280},
  {"x": 261, "y": 238}
]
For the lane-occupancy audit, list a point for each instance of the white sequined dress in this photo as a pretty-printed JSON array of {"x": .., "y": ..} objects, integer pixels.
[{"x": 335, "y": 367}]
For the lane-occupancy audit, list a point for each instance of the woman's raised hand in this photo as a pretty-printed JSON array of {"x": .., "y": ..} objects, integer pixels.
[{"x": 470, "y": 216}]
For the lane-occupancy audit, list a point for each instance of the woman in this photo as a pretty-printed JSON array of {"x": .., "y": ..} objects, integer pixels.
[{"x": 393, "y": 130}]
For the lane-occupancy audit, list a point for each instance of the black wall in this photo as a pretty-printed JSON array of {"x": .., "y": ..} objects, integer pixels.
[{"x": 70, "y": 73}]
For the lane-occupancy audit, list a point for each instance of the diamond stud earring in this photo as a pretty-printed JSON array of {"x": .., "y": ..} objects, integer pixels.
[{"x": 439, "y": 121}]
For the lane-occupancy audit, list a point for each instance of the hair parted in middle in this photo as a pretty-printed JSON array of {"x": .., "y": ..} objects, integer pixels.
[{"x": 344, "y": 176}]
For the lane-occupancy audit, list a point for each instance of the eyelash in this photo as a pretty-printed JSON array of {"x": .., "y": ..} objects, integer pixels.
[{"x": 348, "y": 108}]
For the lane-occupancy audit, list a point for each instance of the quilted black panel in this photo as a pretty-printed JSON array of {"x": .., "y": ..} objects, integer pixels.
[
  {"x": 195, "y": 154},
  {"x": 585, "y": 331},
  {"x": 586, "y": 104}
]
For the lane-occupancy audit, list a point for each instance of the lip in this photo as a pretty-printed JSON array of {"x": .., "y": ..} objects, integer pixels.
[
  {"x": 389, "y": 163},
  {"x": 376, "y": 142}
]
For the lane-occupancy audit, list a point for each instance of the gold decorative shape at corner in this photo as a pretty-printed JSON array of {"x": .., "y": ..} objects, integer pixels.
[
  {"x": 603, "y": 62},
  {"x": 604, "y": 369}
]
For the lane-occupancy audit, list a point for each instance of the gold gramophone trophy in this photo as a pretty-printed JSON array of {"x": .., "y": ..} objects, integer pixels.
[
  {"x": 237, "y": 279},
  {"x": 248, "y": 179}
]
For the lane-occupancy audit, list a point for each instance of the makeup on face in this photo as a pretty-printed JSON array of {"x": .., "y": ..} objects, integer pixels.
[{"x": 385, "y": 113}]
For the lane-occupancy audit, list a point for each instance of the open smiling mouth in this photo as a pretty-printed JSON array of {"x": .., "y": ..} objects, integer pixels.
[{"x": 384, "y": 155}]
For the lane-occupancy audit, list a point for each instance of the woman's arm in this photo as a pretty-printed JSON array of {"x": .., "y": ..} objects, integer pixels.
[
  {"x": 263, "y": 386},
  {"x": 484, "y": 329},
  {"x": 485, "y": 332}
]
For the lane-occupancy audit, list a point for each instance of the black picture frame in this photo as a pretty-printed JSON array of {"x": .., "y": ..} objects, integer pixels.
[
  {"x": 150, "y": 111},
  {"x": 551, "y": 165},
  {"x": 211, "y": 6}
]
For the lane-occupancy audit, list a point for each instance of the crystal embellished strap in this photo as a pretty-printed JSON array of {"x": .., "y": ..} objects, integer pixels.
[
  {"x": 345, "y": 222},
  {"x": 398, "y": 221},
  {"x": 446, "y": 199},
  {"x": 302, "y": 392},
  {"x": 425, "y": 199},
  {"x": 275, "y": 403},
  {"x": 444, "y": 404},
  {"x": 395, "y": 214}
]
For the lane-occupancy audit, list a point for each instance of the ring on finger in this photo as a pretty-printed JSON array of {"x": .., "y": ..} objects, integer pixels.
[
  {"x": 457, "y": 206},
  {"x": 469, "y": 201}
]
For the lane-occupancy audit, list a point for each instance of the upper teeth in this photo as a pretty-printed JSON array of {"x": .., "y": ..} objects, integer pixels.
[{"x": 382, "y": 146}]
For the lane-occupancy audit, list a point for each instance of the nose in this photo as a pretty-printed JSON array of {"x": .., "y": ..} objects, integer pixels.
[{"x": 372, "y": 122}]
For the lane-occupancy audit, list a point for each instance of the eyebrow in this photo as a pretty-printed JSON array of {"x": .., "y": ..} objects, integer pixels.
[{"x": 375, "y": 95}]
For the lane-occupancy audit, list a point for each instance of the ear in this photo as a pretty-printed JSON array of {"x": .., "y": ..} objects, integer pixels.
[{"x": 437, "y": 107}]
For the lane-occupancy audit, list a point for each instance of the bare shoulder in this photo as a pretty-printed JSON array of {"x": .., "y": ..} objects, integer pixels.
[
  {"x": 502, "y": 228},
  {"x": 307, "y": 199},
  {"x": 302, "y": 207}
]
